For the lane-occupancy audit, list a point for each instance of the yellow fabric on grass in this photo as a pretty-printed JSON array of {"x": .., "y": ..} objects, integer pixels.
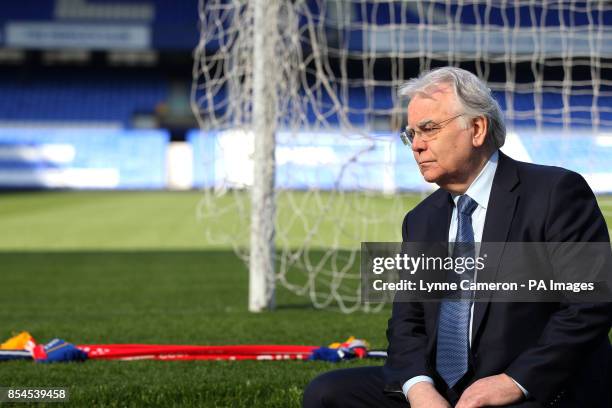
[{"x": 17, "y": 342}]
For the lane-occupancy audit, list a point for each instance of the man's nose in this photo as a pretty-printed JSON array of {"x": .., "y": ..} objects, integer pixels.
[{"x": 418, "y": 145}]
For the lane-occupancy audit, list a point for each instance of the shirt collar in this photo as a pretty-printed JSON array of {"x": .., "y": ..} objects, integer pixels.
[{"x": 480, "y": 189}]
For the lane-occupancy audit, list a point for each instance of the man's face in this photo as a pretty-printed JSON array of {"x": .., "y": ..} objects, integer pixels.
[{"x": 447, "y": 158}]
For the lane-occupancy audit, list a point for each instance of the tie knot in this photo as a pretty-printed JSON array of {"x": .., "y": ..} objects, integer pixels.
[{"x": 466, "y": 205}]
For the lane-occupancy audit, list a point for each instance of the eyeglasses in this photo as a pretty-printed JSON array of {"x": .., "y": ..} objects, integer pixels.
[{"x": 426, "y": 131}]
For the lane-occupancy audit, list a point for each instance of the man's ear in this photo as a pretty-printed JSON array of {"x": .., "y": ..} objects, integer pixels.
[{"x": 481, "y": 126}]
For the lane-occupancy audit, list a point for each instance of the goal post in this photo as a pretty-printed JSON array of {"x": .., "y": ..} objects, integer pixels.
[{"x": 262, "y": 277}]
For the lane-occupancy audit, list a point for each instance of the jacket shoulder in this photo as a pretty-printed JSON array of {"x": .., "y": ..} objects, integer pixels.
[{"x": 543, "y": 175}]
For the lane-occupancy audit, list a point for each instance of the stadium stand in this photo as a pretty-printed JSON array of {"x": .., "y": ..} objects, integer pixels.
[
  {"x": 70, "y": 95},
  {"x": 66, "y": 95}
]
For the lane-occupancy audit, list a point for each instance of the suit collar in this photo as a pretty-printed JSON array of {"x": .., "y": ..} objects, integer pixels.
[
  {"x": 480, "y": 189},
  {"x": 441, "y": 198},
  {"x": 502, "y": 201},
  {"x": 506, "y": 176}
]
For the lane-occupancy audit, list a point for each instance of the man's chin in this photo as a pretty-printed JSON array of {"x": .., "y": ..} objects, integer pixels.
[{"x": 431, "y": 177}]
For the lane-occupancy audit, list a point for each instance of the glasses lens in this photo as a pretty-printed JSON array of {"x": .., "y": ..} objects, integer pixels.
[{"x": 407, "y": 136}]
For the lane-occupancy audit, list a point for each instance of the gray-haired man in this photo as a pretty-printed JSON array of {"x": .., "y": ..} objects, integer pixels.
[{"x": 489, "y": 353}]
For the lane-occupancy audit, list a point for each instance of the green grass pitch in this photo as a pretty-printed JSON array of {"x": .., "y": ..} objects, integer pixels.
[{"x": 128, "y": 267}]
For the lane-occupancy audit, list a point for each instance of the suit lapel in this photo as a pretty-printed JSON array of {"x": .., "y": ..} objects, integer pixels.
[
  {"x": 438, "y": 226},
  {"x": 500, "y": 213}
]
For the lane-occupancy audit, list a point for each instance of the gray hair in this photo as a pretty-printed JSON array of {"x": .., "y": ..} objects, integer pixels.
[{"x": 472, "y": 93}]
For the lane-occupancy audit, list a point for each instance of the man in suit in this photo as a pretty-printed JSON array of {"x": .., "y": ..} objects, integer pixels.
[{"x": 476, "y": 354}]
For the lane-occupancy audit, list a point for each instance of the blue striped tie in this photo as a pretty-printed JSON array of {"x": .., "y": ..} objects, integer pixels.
[{"x": 454, "y": 322}]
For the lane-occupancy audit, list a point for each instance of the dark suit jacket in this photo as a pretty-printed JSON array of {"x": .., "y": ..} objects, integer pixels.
[{"x": 560, "y": 352}]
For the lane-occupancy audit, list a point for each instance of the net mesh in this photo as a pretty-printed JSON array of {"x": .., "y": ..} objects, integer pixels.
[{"x": 340, "y": 172}]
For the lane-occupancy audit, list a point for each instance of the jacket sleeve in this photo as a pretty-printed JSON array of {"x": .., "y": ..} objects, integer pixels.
[
  {"x": 406, "y": 336},
  {"x": 575, "y": 329}
]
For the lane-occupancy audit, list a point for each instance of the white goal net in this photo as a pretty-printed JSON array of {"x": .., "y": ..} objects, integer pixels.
[{"x": 299, "y": 117}]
